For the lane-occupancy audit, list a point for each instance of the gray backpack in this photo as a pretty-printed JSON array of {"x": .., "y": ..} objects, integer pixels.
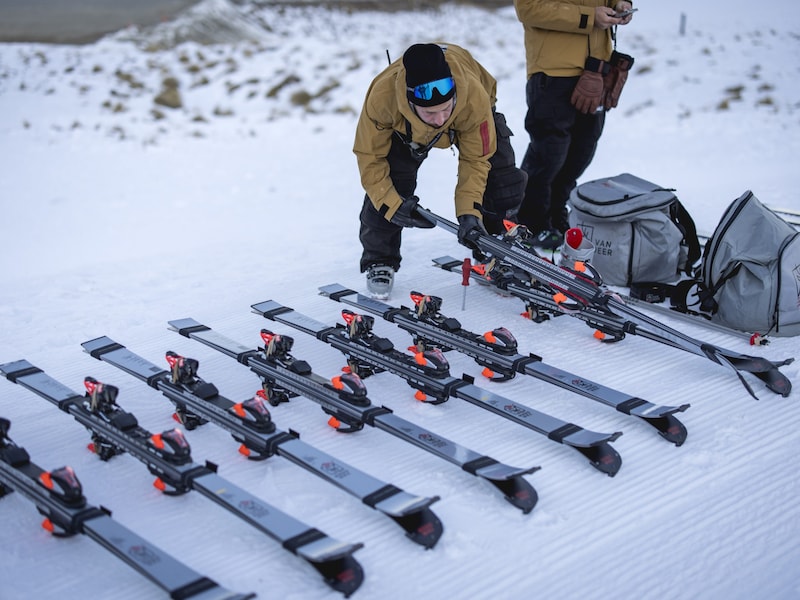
[
  {"x": 751, "y": 269},
  {"x": 640, "y": 231}
]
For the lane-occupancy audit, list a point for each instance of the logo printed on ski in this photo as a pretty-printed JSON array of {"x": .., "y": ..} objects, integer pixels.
[
  {"x": 516, "y": 409},
  {"x": 586, "y": 385},
  {"x": 334, "y": 470},
  {"x": 432, "y": 440},
  {"x": 144, "y": 555},
  {"x": 254, "y": 508}
]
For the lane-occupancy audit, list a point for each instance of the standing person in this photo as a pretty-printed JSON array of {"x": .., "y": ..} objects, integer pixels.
[
  {"x": 436, "y": 96},
  {"x": 574, "y": 77}
]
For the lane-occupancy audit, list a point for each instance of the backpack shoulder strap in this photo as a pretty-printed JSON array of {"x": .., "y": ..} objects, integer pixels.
[{"x": 681, "y": 217}]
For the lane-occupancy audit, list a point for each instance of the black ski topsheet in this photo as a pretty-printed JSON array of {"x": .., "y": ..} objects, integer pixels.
[
  {"x": 501, "y": 358},
  {"x": 168, "y": 456},
  {"x": 197, "y": 399},
  {"x": 564, "y": 290},
  {"x": 379, "y": 353},
  {"x": 285, "y": 376},
  {"x": 58, "y": 495}
]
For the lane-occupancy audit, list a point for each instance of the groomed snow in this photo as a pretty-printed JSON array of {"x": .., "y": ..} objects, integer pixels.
[{"x": 119, "y": 214}]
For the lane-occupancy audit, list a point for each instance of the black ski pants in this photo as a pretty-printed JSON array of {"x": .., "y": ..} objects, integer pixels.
[{"x": 562, "y": 144}]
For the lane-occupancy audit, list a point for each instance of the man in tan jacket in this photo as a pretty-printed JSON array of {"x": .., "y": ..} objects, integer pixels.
[
  {"x": 436, "y": 96},
  {"x": 574, "y": 77}
]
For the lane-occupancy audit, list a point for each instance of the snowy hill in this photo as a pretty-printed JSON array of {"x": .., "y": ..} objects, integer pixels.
[{"x": 154, "y": 175}]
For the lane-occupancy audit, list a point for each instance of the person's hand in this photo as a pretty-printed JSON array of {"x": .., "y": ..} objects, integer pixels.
[
  {"x": 469, "y": 227},
  {"x": 622, "y": 6},
  {"x": 604, "y": 17},
  {"x": 406, "y": 215},
  {"x": 588, "y": 93},
  {"x": 615, "y": 80}
]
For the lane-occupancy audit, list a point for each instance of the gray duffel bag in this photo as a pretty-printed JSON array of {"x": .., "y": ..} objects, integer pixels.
[{"x": 640, "y": 231}]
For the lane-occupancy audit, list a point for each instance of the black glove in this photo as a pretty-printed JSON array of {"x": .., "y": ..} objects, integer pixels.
[
  {"x": 588, "y": 93},
  {"x": 617, "y": 75},
  {"x": 406, "y": 215},
  {"x": 469, "y": 227}
]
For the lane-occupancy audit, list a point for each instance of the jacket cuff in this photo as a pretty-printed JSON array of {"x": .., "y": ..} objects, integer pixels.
[{"x": 387, "y": 208}]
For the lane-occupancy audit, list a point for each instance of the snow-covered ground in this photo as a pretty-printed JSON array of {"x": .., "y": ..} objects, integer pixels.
[{"x": 120, "y": 213}]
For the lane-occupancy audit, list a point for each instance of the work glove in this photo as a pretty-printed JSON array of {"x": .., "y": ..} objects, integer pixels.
[
  {"x": 588, "y": 93},
  {"x": 407, "y": 216},
  {"x": 469, "y": 228},
  {"x": 614, "y": 80}
]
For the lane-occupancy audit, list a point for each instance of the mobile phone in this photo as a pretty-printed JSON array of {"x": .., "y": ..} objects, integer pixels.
[{"x": 625, "y": 13}]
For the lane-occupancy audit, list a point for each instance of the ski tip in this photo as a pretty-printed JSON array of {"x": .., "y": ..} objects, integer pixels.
[
  {"x": 776, "y": 382},
  {"x": 344, "y": 575},
  {"x": 603, "y": 457},
  {"x": 524, "y": 496},
  {"x": 423, "y": 527},
  {"x": 668, "y": 425},
  {"x": 517, "y": 491}
]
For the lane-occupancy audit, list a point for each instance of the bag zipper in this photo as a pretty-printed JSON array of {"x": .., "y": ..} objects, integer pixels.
[
  {"x": 627, "y": 198},
  {"x": 708, "y": 257},
  {"x": 776, "y": 310}
]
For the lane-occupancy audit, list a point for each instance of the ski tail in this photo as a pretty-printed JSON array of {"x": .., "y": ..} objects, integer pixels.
[
  {"x": 761, "y": 368},
  {"x": 508, "y": 480},
  {"x": 340, "y": 570}
]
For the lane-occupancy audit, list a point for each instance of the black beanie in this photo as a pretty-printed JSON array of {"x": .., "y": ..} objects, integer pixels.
[{"x": 425, "y": 63}]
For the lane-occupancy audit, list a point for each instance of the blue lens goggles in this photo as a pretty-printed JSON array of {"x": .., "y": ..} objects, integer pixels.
[{"x": 425, "y": 91}]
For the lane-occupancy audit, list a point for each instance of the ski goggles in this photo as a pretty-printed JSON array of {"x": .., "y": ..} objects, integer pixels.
[{"x": 424, "y": 91}]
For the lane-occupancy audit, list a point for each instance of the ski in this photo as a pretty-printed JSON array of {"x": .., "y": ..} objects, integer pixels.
[
  {"x": 345, "y": 399},
  {"x": 496, "y": 350},
  {"x": 791, "y": 216},
  {"x": 540, "y": 305},
  {"x": 428, "y": 372},
  {"x": 545, "y": 286},
  {"x": 58, "y": 496},
  {"x": 168, "y": 456},
  {"x": 752, "y": 338},
  {"x": 250, "y": 423}
]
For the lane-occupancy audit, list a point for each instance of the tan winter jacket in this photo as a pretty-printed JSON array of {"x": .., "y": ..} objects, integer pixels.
[
  {"x": 386, "y": 110},
  {"x": 560, "y": 34}
]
